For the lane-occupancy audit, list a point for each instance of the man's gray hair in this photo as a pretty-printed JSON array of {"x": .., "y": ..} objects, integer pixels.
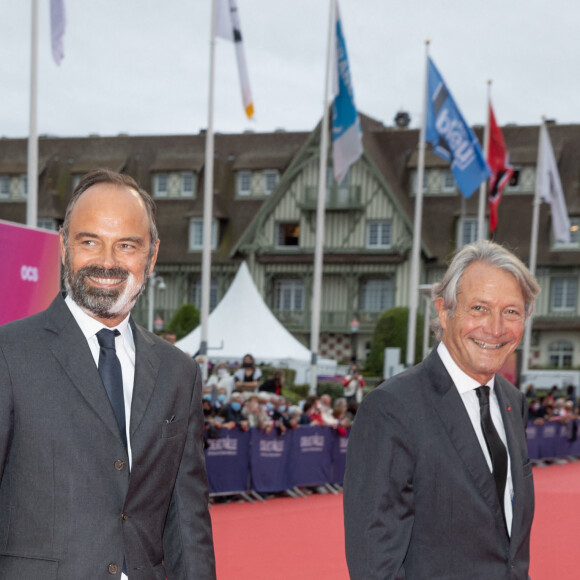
[{"x": 491, "y": 254}]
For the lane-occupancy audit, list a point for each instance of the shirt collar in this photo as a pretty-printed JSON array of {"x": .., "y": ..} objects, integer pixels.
[
  {"x": 88, "y": 324},
  {"x": 463, "y": 381}
]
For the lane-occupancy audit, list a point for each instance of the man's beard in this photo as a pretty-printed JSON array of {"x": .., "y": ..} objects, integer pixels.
[{"x": 103, "y": 302}]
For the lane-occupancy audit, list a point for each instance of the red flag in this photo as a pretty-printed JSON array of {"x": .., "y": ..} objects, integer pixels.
[{"x": 501, "y": 170}]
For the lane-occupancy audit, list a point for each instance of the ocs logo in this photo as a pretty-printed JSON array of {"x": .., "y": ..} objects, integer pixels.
[{"x": 29, "y": 273}]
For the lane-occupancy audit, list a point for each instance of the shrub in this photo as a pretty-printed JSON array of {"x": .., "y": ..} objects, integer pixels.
[
  {"x": 185, "y": 319},
  {"x": 391, "y": 331}
]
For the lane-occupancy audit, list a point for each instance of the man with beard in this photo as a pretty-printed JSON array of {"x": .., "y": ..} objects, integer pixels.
[{"x": 102, "y": 471}]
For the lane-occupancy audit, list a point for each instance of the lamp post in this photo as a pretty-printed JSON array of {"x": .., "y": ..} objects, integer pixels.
[
  {"x": 354, "y": 326},
  {"x": 154, "y": 280}
]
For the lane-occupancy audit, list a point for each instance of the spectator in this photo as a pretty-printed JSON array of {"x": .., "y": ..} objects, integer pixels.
[
  {"x": 274, "y": 384},
  {"x": 280, "y": 414},
  {"x": 256, "y": 415},
  {"x": 247, "y": 378},
  {"x": 325, "y": 406},
  {"x": 170, "y": 337},
  {"x": 571, "y": 394},
  {"x": 353, "y": 384},
  {"x": 221, "y": 379},
  {"x": 233, "y": 416},
  {"x": 294, "y": 414},
  {"x": 530, "y": 392},
  {"x": 311, "y": 414}
]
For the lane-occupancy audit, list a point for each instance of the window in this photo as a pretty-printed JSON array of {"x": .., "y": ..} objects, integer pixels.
[
  {"x": 4, "y": 187},
  {"x": 47, "y": 224},
  {"x": 289, "y": 295},
  {"x": 379, "y": 234},
  {"x": 160, "y": 185},
  {"x": 560, "y": 354},
  {"x": 377, "y": 295},
  {"x": 24, "y": 185},
  {"x": 564, "y": 294},
  {"x": 448, "y": 182},
  {"x": 244, "y": 183},
  {"x": 337, "y": 194},
  {"x": 574, "y": 236},
  {"x": 288, "y": 235},
  {"x": 414, "y": 184},
  {"x": 514, "y": 182},
  {"x": 195, "y": 293},
  {"x": 196, "y": 234},
  {"x": 271, "y": 178},
  {"x": 187, "y": 184},
  {"x": 466, "y": 231}
]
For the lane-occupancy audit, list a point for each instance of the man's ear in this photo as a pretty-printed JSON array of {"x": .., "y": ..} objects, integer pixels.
[
  {"x": 62, "y": 246},
  {"x": 442, "y": 312},
  {"x": 154, "y": 259}
]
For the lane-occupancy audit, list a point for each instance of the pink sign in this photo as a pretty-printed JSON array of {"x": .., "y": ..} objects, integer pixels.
[{"x": 30, "y": 270}]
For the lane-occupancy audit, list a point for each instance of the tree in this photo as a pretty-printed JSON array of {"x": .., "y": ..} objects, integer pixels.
[
  {"x": 185, "y": 319},
  {"x": 391, "y": 331}
]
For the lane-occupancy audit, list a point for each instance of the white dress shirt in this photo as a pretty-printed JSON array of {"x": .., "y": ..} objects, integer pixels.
[
  {"x": 125, "y": 348},
  {"x": 466, "y": 387}
]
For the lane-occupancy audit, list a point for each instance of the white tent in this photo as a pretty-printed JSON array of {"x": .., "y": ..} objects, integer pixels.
[{"x": 243, "y": 324}]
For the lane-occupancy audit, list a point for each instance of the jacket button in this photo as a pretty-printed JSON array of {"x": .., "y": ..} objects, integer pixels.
[
  {"x": 123, "y": 517},
  {"x": 119, "y": 465},
  {"x": 113, "y": 569}
]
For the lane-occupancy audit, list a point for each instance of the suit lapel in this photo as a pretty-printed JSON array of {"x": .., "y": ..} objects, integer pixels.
[
  {"x": 70, "y": 348},
  {"x": 459, "y": 428},
  {"x": 146, "y": 369},
  {"x": 510, "y": 419}
]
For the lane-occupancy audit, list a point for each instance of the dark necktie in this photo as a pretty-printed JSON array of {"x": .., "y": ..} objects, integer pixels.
[
  {"x": 110, "y": 371},
  {"x": 495, "y": 446}
]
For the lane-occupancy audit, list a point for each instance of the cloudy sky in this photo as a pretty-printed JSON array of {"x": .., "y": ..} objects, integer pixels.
[{"x": 141, "y": 66}]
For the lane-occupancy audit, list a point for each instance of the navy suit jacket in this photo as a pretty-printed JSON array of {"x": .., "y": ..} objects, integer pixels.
[
  {"x": 420, "y": 502},
  {"x": 70, "y": 509}
]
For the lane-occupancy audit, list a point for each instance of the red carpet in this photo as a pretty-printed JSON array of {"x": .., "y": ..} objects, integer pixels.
[{"x": 303, "y": 539}]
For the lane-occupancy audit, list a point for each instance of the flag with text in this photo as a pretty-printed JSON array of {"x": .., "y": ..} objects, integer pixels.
[
  {"x": 451, "y": 136},
  {"x": 346, "y": 130},
  {"x": 57, "y": 29}
]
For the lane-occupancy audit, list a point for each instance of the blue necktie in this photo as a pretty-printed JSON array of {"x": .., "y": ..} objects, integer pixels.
[{"x": 110, "y": 371}]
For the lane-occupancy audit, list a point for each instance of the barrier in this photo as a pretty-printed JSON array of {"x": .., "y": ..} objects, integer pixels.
[
  {"x": 253, "y": 461},
  {"x": 553, "y": 440}
]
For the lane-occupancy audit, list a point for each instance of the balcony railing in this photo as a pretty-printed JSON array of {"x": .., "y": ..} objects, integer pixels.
[
  {"x": 337, "y": 198},
  {"x": 330, "y": 321}
]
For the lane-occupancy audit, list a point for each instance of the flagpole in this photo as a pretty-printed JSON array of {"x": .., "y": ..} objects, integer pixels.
[
  {"x": 32, "y": 162},
  {"x": 208, "y": 201},
  {"x": 416, "y": 251},
  {"x": 533, "y": 249},
  {"x": 320, "y": 208},
  {"x": 483, "y": 186}
]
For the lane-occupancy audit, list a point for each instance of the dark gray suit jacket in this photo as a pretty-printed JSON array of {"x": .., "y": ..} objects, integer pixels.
[
  {"x": 419, "y": 499},
  {"x": 69, "y": 508}
]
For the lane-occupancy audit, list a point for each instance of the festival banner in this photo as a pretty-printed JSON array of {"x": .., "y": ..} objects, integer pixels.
[
  {"x": 30, "y": 270},
  {"x": 269, "y": 460},
  {"x": 227, "y": 460},
  {"x": 339, "y": 448},
  {"x": 310, "y": 456}
]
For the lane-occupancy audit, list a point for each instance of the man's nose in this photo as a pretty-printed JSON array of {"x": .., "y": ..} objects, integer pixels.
[{"x": 496, "y": 324}]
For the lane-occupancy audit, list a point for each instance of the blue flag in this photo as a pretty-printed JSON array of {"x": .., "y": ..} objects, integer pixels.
[
  {"x": 451, "y": 136},
  {"x": 346, "y": 130}
]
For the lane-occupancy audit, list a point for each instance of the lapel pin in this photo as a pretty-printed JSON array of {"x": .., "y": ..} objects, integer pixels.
[{"x": 509, "y": 408}]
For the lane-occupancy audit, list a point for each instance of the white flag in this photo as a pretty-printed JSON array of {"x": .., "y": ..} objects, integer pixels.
[
  {"x": 228, "y": 27},
  {"x": 346, "y": 130},
  {"x": 550, "y": 187},
  {"x": 57, "y": 28}
]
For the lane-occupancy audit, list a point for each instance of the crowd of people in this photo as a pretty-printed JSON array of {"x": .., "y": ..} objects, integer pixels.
[
  {"x": 553, "y": 406},
  {"x": 246, "y": 399}
]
